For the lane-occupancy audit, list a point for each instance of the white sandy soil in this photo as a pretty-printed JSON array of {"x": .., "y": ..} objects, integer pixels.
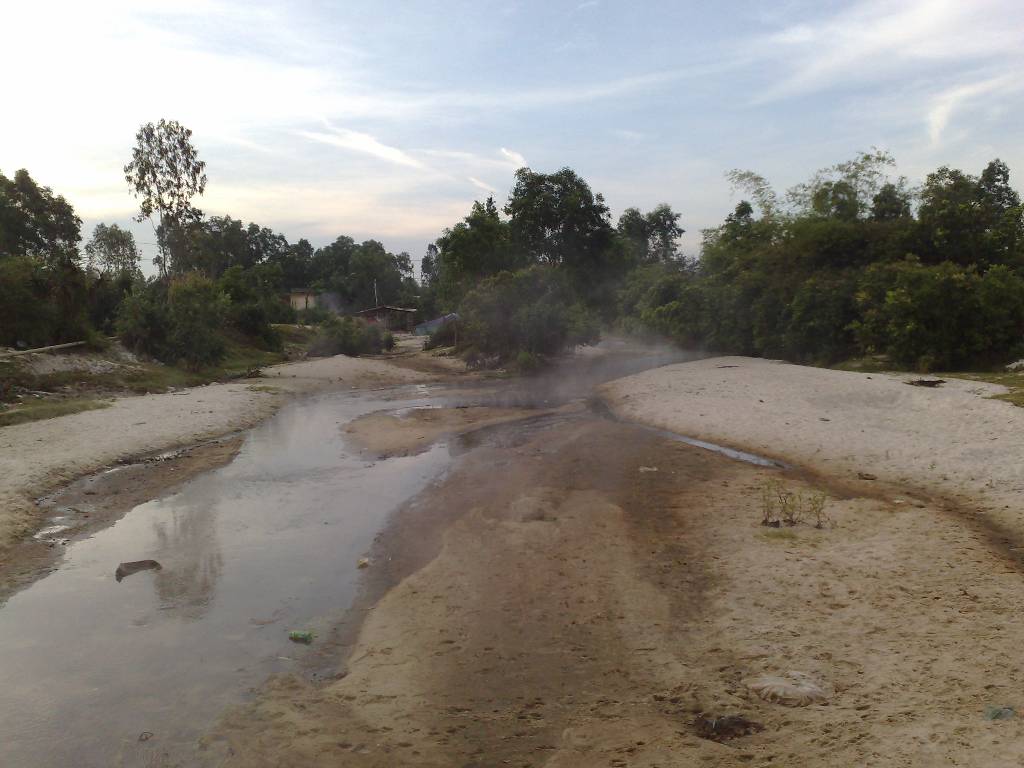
[
  {"x": 38, "y": 456},
  {"x": 953, "y": 440}
]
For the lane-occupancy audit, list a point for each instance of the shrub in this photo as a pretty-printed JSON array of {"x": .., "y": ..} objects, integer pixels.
[
  {"x": 143, "y": 322},
  {"x": 182, "y": 323},
  {"x": 312, "y": 316},
  {"x": 196, "y": 311},
  {"x": 445, "y": 335},
  {"x": 347, "y": 336},
  {"x": 26, "y": 314},
  {"x": 532, "y": 311}
]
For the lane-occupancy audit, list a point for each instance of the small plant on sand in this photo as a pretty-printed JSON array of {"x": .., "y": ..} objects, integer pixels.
[
  {"x": 781, "y": 506},
  {"x": 815, "y": 506}
]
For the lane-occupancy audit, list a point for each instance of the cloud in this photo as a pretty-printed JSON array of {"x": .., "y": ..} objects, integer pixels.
[
  {"x": 482, "y": 185},
  {"x": 514, "y": 158},
  {"x": 882, "y": 40},
  {"x": 946, "y": 103},
  {"x": 362, "y": 142}
]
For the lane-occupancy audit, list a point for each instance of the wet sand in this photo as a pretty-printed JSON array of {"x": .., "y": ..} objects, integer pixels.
[
  {"x": 578, "y": 592},
  {"x": 400, "y": 433}
]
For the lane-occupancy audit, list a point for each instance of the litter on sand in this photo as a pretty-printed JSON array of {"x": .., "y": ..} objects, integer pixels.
[
  {"x": 300, "y": 636},
  {"x": 792, "y": 689},
  {"x": 648, "y": 469},
  {"x": 364, "y": 562},
  {"x": 1000, "y": 713}
]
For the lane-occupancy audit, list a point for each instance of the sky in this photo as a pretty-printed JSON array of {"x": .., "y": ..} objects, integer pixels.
[{"x": 386, "y": 120}]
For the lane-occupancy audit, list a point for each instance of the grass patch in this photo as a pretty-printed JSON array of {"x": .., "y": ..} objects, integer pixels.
[
  {"x": 140, "y": 378},
  {"x": 1013, "y": 381},
  {"x": 47, "y": 409},
  {"x": 780, "y": 534}
]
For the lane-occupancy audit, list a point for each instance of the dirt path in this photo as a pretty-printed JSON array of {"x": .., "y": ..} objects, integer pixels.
[{"x": 578, "y": 595}]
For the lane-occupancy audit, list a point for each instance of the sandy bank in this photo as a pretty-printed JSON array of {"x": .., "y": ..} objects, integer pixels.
[
  {"x": 42, "y": 455},
  {"x": 952, "y": 440}
]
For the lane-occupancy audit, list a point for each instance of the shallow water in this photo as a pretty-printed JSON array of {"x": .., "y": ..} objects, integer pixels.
[{"x": 249, "y": 551}]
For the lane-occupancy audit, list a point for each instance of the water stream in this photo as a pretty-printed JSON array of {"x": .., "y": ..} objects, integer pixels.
[{"x": 90, "y": 666}]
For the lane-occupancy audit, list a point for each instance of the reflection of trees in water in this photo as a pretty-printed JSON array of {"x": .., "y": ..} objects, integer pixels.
[{"x": 192, "y": 561}]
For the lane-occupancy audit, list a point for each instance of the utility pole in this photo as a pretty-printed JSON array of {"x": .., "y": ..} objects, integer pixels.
[{"x": 376, "y": 298}]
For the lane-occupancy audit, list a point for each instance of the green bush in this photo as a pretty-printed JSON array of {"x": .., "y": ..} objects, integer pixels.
[
  {"x": 532, "y": 311},
  {"x": 180, "y": 324},
  {"x": 27, "y": 317},
  {"x": 312, "y": 316},
  {"x": 445, "y": 335},
  {"x": 197, "y": 309},
  {"x": 347, "y": 336},
  {"x": 143, "y": 322},
  {"x": 941, "y": 317}
]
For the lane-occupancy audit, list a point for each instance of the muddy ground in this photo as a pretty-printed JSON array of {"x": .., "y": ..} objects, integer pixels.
[{"x": 579, "y": 593}]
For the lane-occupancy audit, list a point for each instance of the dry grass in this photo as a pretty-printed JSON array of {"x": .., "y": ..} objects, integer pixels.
[{"x": 36, "y": 410}]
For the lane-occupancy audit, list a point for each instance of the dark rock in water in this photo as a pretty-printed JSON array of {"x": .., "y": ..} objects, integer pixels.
[
  {"x": 725, "y": 727},
  {"x": 127, "y": 569}
]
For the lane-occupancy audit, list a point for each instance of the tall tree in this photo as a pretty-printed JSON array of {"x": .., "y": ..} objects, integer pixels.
[
  {"x": 557, "y": 219},
  {"x": 112, "y": 250},
  {"x": 165, "y": 173},
  {"x": 35, "y": 222}
]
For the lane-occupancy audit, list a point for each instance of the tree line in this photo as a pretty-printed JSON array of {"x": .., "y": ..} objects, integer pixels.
[{"x": 851, "y": 263}]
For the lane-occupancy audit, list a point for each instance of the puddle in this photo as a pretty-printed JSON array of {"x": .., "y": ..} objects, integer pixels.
[{"x": 247, "y": 552}]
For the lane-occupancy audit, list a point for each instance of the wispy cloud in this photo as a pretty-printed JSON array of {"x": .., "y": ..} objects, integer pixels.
[
  {"x": 514, "y": 158},
  {"x": 482, "y": 185},
  {"x": 947, "y": 102},
  {"x": 364, "y": 143},
  {"x": 875, "y": 40}
]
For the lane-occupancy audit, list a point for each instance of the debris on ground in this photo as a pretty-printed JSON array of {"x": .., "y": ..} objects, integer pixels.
[
  {"x": 867, "y": 476},
  {"x": 791, "y": 689},
  {"x": 127, "y": 569},
  {"x": 724, "y": 728},
  {"x": 300, "y": 636},
  {"x": 364, "y": 562},
  {"x": 648, "y": 469},
  {"x": 1000, "y": 713},
  {"x": 926, "y": 382}
]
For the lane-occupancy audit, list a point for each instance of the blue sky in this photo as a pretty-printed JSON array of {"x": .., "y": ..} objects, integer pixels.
[{"x": 387, "y": 120}]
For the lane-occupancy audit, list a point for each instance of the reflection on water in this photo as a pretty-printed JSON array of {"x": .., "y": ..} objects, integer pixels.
[
  {"x": 190, "y": 557},
  {"x": 91, "y": 666}
]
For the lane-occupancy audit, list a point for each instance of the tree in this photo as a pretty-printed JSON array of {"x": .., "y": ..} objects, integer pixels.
[
  {"x": 165, "y": 173},
  {"x": 478, "y": 246},
  {"x": 112, "y": 250},
  {"x": 890, "y": 203},
  {"x": 651, "y": 237},
  {"x": 557, "y": 219},
  {"x": 36, "y": 223}
]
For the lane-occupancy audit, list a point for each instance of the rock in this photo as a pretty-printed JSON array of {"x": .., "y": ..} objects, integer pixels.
[
  {"x": 127, "y": 569},
  {"x": 1017, "y": 366},
  {"x": 364, "y": 562},
  {"x": 791, "y": 689}
]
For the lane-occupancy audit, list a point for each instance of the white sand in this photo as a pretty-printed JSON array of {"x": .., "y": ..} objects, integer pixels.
[
  {"x": 953, "y": 440},
  {"x": 42, "y": 455}
]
